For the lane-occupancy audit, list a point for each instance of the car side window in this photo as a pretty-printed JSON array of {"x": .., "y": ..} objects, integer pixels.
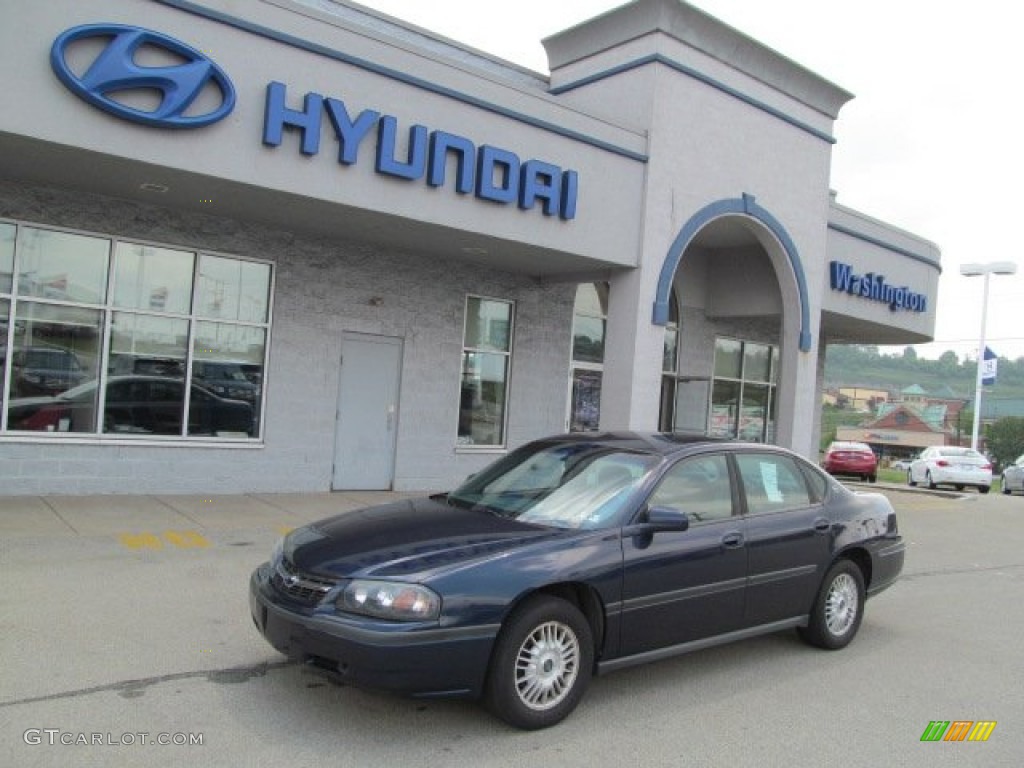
[
  {"x": 772, "y": 483},
  {"x": 698, "y": 486}
]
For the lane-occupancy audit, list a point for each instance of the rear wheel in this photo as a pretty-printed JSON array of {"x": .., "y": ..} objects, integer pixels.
[
  {"x": 872, "y": 478},
  {"x": 928, "y": 479},
  {"x": 983, "y": 489},
  {"x": 542, "y": 664},
  {"x": 910, "y": 479},
  {"x": 1006, "y": 488},
  {"x": 838, "y": 608}
]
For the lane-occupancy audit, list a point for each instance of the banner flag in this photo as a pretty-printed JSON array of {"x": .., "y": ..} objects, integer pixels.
[{"x": 988, "y": 368}]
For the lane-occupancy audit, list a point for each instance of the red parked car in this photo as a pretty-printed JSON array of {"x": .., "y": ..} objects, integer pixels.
[{"x": 857, "y": 459}]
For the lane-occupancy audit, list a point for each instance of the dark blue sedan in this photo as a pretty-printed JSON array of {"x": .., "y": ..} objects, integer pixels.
[{"x": 577, "y": 555}]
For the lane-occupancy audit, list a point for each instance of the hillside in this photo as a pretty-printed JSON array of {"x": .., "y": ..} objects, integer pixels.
[{"x": 865, "y": 366}]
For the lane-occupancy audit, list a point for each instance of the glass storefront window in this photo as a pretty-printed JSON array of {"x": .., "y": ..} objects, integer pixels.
[
  {"x": 156, "y": 279},
  {"x": 232, "y": 289},
  {"x": 589, "y": 327},
  {"x": 136, "y": 362},
  {"x": 63, "y": 266},
  {"x": 5, "y": 324},
  {"x": 7, "y": 232},
  {"x": 586, "y": 401},
  {"x": 728, "y": 358},
  {"x": 590, "y": 313},
  {"x": 757, "y": 362},
  {"x": 227, "y": 366},
  {"x": 743, "y": 402},
  {"x": 55, "y": 363},
  {"x": 488, "y": 324},
  {"x": 486, "y": 356},
  {"x": 725, "y": 398}
]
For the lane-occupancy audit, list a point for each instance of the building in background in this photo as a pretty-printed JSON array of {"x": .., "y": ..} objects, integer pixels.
[{"x": 290, "y": 245}]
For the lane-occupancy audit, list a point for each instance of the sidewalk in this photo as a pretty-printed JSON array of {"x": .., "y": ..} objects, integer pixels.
[{"x": 106, "y": 515}]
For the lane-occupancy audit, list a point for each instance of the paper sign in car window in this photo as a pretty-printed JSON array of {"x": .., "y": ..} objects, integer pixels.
[{"x": 770, "y": 478}]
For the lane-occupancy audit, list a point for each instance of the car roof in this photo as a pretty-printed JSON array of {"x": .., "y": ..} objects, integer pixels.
[{"x": 662, "y": 443}]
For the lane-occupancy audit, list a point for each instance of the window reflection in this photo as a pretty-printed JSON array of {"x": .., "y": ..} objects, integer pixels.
[
  {"x": 63, "y": 266},
  {"x": 55, "y": 359},
  {"x": 485, "y": 364},
  {"x": 228, "y": 365},
  {"x": 150, "y": 278},
  {"x": 231, "y": 289},
  {"x": 7, "y": 232},
  {"x": 123, "y": 367}
]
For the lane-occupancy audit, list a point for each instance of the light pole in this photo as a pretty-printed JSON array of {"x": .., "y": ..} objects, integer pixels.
[{"x": 973, "y": 270}]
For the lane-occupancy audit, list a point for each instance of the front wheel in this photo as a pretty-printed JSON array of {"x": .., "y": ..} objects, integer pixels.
[
  {"x": 838, "y": 608},
  {"x": 541, "y": 665},
  {"x": 910, "y": 479}
]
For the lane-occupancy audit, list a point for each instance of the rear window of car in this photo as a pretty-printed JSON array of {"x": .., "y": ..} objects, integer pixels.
[{"x": 851, "y": 447}]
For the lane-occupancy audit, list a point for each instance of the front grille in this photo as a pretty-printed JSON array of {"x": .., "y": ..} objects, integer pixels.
[{"x": 299, "y": 586}]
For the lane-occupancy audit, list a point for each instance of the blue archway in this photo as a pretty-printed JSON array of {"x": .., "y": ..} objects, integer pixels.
[{"x": 745, "y": 206}]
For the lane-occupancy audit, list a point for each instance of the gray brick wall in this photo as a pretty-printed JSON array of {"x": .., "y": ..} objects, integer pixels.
[{"x": 323, "y": 288}]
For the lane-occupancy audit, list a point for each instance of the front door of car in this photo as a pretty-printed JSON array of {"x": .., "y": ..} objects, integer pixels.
[
  {"x": 789, "y": 537},
  {"x": 684, "y": 586}
]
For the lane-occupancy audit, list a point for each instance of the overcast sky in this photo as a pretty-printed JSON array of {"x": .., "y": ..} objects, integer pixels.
[{"x": 932, "y": 142}]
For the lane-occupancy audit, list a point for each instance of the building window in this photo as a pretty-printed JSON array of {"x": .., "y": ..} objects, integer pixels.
[
  {"x": 100, "y": 336},
  {"x": 743, "y": 390},
  {"x": 486, "y": 363},
  {"x": 669, "y": 367},
  {"x": 589, "y": 322}
]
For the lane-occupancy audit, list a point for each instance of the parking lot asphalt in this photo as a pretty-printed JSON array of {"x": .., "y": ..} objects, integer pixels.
[
  {"x": 124, "y": 620},
  {"x": 117, "y": 515}
]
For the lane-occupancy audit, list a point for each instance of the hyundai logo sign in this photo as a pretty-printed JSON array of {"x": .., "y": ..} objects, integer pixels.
[{"x": 115, "y": 71}]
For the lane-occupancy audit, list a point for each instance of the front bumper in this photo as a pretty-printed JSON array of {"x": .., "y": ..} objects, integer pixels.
[{"x": 389, "y": 656}]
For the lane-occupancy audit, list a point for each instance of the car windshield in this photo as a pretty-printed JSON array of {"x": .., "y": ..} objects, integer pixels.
[{"x": 576, "y": 485}]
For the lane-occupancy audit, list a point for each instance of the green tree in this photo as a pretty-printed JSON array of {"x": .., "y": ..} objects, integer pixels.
[{"x": 1005, "y": 439}]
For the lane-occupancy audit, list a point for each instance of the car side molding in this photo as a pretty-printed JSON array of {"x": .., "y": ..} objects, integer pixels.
[{"x": 603, "y": 667}]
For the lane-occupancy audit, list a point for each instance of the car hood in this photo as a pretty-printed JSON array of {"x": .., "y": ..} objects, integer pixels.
[{"x": 409, "y": 538}]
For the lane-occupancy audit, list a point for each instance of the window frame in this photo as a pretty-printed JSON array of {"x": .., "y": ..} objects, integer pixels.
[
  {"x": 108, "y": 309},
  {"x": 502, "y": 446}
]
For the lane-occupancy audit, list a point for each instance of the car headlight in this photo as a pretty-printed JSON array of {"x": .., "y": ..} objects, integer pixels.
[{"x": 396, "y": 601}]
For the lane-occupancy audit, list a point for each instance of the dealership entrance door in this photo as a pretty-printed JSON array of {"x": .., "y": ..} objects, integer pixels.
[{"x": 367, "y": 421}]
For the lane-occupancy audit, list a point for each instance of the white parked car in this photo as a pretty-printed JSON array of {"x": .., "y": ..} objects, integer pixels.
[
  {"x": 1013, "y": 476},
  {"x": 950, "y": 465}
]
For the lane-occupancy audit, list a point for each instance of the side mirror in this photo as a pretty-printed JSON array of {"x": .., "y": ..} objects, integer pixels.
[
  {"x": 667, "y": 519},
  {"x": 655, "y": 520}
]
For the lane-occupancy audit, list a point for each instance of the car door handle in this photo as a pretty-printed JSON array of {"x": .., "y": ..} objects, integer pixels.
[
  {"x": 821, "y": 525},
  {"x": 732, "y": 540}
]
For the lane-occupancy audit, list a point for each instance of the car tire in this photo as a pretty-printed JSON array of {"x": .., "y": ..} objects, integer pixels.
[
  {"x": 910, "y": 479},
  {"x": 983, "y": 489},
  {"x": 838, "y": 608},
  {"x": 960, "y": 487},
  {"x": 1002, "y": 483},
  {"x": 872, "y": 478},
  {"x": 928, "y": 480},
  {"x": 541, "y": 665}
]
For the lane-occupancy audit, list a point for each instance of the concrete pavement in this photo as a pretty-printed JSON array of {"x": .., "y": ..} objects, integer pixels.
[{"x": 132, "y": 515}]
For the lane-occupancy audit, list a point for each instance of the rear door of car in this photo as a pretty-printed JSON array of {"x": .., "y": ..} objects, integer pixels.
[
  {"x": 788, "y": 536},
  {"x": 683, "y": 586}
]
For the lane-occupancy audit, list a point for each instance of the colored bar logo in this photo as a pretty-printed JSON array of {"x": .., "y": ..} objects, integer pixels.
[{"x": 958, "y": 730}]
